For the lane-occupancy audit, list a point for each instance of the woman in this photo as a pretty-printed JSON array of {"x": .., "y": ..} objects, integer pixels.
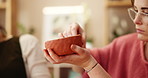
[
  {"x": 21, "y": 57},
  {"x": 125, "y": 57}
]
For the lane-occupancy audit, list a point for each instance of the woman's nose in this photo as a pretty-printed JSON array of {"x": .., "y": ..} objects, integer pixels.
[{"x": 138, "y": 19}]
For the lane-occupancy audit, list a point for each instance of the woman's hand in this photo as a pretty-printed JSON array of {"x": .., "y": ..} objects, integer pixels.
[
  {"x": 82, "y": 57},
  {"x": 73, "y": 30}
]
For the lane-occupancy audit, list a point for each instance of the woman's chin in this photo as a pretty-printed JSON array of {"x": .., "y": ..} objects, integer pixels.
[{"x": 142, "y": 37}]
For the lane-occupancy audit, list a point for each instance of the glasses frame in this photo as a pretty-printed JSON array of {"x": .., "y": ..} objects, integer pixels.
[{"x": 136, "y": 13}]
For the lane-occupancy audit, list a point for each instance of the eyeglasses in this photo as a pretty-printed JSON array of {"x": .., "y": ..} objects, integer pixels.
[{"x": 133, "y": 13}]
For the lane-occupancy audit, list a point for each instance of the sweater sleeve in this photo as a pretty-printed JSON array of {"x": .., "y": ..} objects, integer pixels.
[
  {"x": 35, "y": 63},
  {"x": 116, "y": 55},
  {"x": 102, "y": 56}
]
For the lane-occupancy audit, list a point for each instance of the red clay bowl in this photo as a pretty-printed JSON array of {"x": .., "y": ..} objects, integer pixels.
[{"x": 62, "y": 46}]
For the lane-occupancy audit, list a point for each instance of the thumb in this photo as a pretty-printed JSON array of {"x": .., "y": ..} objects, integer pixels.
[{"x": 79, "y": 50}]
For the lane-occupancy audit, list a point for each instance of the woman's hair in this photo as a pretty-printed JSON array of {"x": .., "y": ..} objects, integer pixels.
[
  {"x": 3, "y": 31},
  {"x": 132, "y": 1}
]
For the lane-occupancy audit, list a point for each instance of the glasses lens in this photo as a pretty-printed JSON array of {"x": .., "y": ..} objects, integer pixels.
[{"x": 132, "y": 13}]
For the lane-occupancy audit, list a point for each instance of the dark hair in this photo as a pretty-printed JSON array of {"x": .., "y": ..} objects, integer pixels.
[
  {"x": 3, "y": 31},
  {"x": 132, "y": 1}
]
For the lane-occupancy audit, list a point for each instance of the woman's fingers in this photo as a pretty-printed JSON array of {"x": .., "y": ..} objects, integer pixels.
[
  {"x": 80, "y": 58},
  {"x": 55, "y": 59},
  {"x": 61, "y": 35},
  {"x": 78, "y": 49},
  {"x": 48, "y": 57},
  {"x": 65, "y": 34},
  {"x": 74, "y": 29},
  {"x": 55, "y": 56},
  {"x": 68, "y": 31}
]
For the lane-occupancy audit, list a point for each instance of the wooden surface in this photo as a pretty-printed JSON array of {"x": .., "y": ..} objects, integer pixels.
[
  {"x": 113, "y": 4},
  {"x": 2, "y": 5},
  {"x": 10, "y": 16},
  {"x": 118, "y": 3}
]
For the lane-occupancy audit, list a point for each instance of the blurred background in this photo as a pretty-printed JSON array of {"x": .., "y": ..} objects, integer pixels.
[{"x": 102, "y": 20}]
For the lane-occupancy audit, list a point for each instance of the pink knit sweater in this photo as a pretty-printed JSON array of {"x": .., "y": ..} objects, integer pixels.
[{"x": 123, "y": 58}]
